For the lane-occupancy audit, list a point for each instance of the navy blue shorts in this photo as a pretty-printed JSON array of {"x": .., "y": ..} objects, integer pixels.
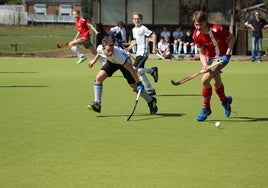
[{"x": 140, "y": 61}]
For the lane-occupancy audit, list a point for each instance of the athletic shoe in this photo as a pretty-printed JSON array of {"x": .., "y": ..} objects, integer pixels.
[
  {"x": 81, "y": 60},
  {"x": 155, "y": 73},
  {"x": 152, "y": 106},
  {"x": 151, "y": 92},
  {"x": 95, "y": 107},
  {"x": 227, "y": 106},
  {"x": 205, "y": 112}
]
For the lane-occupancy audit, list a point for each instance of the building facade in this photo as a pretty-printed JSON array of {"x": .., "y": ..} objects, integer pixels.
[{"x": 51, "y": 11}]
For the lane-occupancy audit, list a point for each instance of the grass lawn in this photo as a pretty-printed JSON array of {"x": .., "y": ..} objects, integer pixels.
[
  {"x": 49, "y": 139},
  {"x": 44, "y": 38},
  {"x": 35, "y": 39}
]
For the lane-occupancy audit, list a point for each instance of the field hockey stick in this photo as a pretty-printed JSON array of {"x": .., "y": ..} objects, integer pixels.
[
  {"x": 135, "y": 105},
  {"x": 62, "y": 45},
  {"x": 192, "y": 76}
]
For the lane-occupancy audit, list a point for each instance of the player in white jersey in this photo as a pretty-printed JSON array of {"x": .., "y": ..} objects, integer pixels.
[
  {"x": 101, "y": 56},
  {"x": 117, "y": 58},
  {"x": 141, "y": 37}
]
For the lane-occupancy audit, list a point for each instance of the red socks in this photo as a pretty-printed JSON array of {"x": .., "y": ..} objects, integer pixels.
[
  {"x": 207, "y": 93},
  {"x": 221, "y": 94},
  {"x": 206, "y": 97}
]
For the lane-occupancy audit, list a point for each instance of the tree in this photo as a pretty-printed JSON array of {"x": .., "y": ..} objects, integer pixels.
[{"x": 12, "y": 2}]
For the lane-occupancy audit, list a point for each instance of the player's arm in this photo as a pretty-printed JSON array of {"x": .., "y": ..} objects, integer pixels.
[
  {"x": 230, "y": 41},
  {"x": 159, "y": 51},
  {"x": 93, "y": 28},
  {"x": 93, "y": 61},
  {"x": 131, "y": 45},
  {"x": 203, "y": 58},
  {"x": 153, "y": 39},
  {"x": 249, "y": 25}
]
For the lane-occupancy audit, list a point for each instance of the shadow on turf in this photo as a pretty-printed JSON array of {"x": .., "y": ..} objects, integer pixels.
[
  {"x": 240, "y": 119},
  {"x": 148, "y": 117},
  {"x": 15, "y": 86},
  {"x": 249, "y": 119}
]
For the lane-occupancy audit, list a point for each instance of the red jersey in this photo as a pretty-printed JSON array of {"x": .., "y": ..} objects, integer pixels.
[
  {"x": 82, "y": 27},
  {"x": 214, "y": 41}
]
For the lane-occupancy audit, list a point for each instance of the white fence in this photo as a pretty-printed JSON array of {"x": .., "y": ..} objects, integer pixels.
[
  {"x": 38, "y": 18},
  {"x": 13, "y": 15}
]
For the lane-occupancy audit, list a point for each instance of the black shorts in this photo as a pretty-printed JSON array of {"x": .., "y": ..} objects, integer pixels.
[
  {"x": 140, "y": 61},
  {"x": 111, "y": 68}
]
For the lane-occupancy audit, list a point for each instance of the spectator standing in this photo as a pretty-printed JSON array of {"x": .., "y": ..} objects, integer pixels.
[{"x": 256, "y": 25}]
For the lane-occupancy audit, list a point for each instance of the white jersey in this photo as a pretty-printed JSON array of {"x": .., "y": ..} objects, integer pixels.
[
  {"x": 119, "y": 56},
  {"x": 141, "y": 35},
  {"x": 102, "y": 57},
  {"x": 162, "y": 46}
]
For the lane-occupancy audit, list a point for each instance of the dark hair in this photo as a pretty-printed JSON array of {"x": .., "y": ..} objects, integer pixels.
[
  {"x": 199, "y": 16},
  {"x": 107, "y": 41},
  {"x": 121, "y": 24}
]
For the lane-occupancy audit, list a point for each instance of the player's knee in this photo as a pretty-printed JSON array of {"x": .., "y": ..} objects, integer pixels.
[
  {"x": 71, "y": 44},
  {"x": 99, "y": 78}
]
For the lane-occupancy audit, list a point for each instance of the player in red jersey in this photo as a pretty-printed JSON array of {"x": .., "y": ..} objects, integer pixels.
[
  {"x": 214, "y": 43},
  {"x": 82, "y": 37}
]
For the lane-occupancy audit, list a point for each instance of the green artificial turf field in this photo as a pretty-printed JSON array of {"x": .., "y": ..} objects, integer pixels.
[{"x": 48, "y": 139}]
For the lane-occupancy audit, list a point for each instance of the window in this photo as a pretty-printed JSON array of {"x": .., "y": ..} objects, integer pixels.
[
  {"x": 65, "y": 10},
  {"x": 40, "y": 9}
]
